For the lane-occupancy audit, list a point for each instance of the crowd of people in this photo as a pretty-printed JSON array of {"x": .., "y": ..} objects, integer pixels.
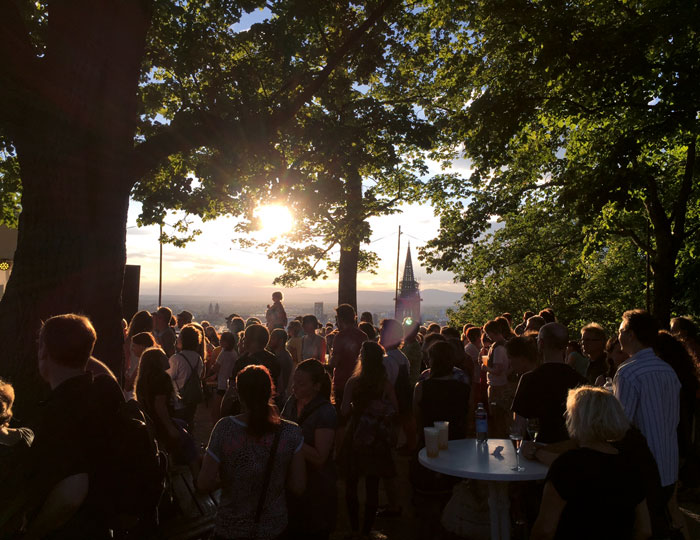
[{"x": 298, "y": 405}]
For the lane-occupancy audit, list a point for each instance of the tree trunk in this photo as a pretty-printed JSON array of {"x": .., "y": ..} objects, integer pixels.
[
  {"x": 75, "y": 148},
  {"x": 664, "y": 282},
  {"x": 347, "y": 273}
]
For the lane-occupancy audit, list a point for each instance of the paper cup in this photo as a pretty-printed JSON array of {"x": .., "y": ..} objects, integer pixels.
[
  {"x": 443, "y": 434},
  {"x": 431, "y": 442}
]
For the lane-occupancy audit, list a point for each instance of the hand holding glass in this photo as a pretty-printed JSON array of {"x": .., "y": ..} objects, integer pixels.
[{"x": 516, "y": 436}]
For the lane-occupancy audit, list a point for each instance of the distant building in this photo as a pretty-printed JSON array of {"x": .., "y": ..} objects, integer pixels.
[
  {"x": 318, "y": 311},
  {"x": 408, "y": 300},
  {"x": 216, "y": 308}
]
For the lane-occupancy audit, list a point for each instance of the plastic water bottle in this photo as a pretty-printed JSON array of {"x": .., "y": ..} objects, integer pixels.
[
  {"x": 608, "y": 384},
  {"x": 482, "y": 424}
]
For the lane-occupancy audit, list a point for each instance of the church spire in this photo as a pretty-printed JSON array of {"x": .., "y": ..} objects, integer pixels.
[{"x": 408, "y": 282}]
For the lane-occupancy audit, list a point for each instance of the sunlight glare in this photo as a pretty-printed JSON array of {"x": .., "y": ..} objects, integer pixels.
[{"x": 275, "y": 220}]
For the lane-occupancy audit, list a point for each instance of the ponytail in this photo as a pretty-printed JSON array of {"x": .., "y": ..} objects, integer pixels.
[{"x": 255, "y": 388}]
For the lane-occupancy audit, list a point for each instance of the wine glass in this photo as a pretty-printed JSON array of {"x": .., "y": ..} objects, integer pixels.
[
  {"x": 533, "y": 428},
  {"x": 516, "y": 437}
]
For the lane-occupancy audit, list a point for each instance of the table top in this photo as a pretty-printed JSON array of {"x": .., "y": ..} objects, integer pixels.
[{"x": 465, "y": 458}]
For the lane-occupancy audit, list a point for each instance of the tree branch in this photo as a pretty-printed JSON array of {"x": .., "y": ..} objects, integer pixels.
[{"x": 681, "y": 204}]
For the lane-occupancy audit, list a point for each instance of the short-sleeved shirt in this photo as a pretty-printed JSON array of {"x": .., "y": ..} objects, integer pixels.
[
  {"x": 542, "y": 394},
  {"x": 346, "y": 350},
  {"x": 393, "y": 361},
  {"x": 596, "y": 368},
  {"x": 498, "y": 357},
  {"x": 601, "y": 493},
  {"x": 166, "y": 339},
  {"x": 226, "y": 361},
  {"x": 181, "y": 367},
  {"x": 242, "y": 461},
  {"x": 473, "y": 352}
]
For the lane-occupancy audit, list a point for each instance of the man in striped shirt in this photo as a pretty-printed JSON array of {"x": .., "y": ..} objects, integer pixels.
[{"x": 649, "y": 391}]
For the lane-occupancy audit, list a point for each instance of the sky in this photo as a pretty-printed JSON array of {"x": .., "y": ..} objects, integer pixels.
[{"x": 213, "y": 264}]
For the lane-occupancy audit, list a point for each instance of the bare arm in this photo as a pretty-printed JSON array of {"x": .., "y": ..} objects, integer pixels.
[
  {"x": 550, "y": 511},
  {"x": 346, "y": 406},
  {"x": 318, "y": 454},
  {"x": 642, "y": 521},
  {"x": 208, "y": 479},
  {"x": 63, "y": 501},
  {"x": 296, "y": 476}
]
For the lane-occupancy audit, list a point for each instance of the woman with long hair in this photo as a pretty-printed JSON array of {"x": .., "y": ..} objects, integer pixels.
[
  {"x": 370, "y": 402},
  {"x": 155, "y": 393},
  {"x": 185, "y": 364},
  {"x": 252, "y": 457},
  {"x": 313, "y": 515},
  {"x": 141, "y": 322}
]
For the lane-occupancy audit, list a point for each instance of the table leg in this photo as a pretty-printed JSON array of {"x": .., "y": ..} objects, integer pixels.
[{"x": 499, "y": 510}]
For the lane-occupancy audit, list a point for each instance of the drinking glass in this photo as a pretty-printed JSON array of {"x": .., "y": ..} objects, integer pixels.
[
  {"x": 533, "y": 428},
  {"x": 516, "y": 437}
]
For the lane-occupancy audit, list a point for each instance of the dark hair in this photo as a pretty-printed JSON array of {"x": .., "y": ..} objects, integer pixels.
[
  {"x": 430, "y": 339},
  {"x": 165, "y": 313},
  {"x": 686, "y": 327},
  {"x": 493, "y": 326},
  {"x": 7, "y": 398},
  {"x": 309, "y": 319},
  {"x": 548, "y": 315},
  {"x": 367, "y": 317},
  {"x": 69, "y": 339},
  {"x": 318, "y": 375},
  {"x": 255, "y": 390},
  {"x": 237, "y": 324},
  {"x": 191, "y": 338},
  {"x": 643, "y": 325},
  {"x": 371, "y": 375},
  {"x": 575, "y": 345},
  {"x": 294, "y": 327},
  {"x": 523, "y": 347},
  {"x": 537, "y": 322},
  {"x": 151, "y": 374},
  {"x": 434, "y": 328},
  {"x": 390, "y": 333},
  {"x": 672, "y": 351},
  {"x": 507, "y": 316},
  {"x": 257, "y": 334},
  {"x": 227, "y": 341},
  {"x": 142, "y": 321},
  {"x": 449, "y": 332},
  {"x": 346, "y": 313},
  {"x": 281, "y": 334},
  {"x": 610, "y": 345},
  {"x": 144, "y": 339},
  {"x": 369, "y": 330},
  {"x": 527, "y": 315},
  {"x": 473, "y": 333},
  {"x": 441, "y": 359},
  {"x": 504, "y": 325},
  {"x": 214, "y": 335}
]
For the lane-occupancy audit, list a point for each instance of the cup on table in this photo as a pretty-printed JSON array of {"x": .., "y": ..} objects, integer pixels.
[
  {"x": 443, "y": 434},
  {"x": 432, "y": 447}
]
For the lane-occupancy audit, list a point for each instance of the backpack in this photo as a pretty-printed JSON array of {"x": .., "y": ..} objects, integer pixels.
[
  {"x": 191, "y": 392},
  {"x": 374, "y": 429}
]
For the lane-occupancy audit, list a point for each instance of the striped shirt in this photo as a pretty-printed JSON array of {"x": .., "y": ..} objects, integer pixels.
[{"x": 649, "y": 391}]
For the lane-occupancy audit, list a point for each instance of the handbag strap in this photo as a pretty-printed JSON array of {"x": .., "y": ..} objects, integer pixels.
[
  {"x": 266, "y": 480},
  {"x": 307, "y": 412}
]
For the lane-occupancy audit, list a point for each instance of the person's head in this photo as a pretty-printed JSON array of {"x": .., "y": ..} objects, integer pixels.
[
  {"x": 474, "y": 336},
  {"x": 572, "y": 347},
  {"x": 184, "y": 318},
  {"x": 367, "y": 317},
  {"x": 504, "y": 326},
  {"x": 638, "y": 330},
  {"x": 522, "y": 353},
  {"x": 256, "y": 338},
  {"x": 294, "y": 329},
  {"x": 594, "y": 415},
  {"x": 142, "y": 321},
  {"x": 310, "y": 380},
  {"x": 410, "y": 330},
  {"x": 370, "y": 370},
  {"x": 255, "y": 390},
  {"x": 278, "y": 339},
  {"x": 548, "y": 315},
  {"x": 527, "y": 315},
  {"x": 593, "y": 340},
  {"x": 250, "y": 321},
  {"x": 684, "y": 328},
  {"x": 190, "y": 339},
  {"x": 614, "y": 352},
  {"x": 450, "y": 333},
  {"x": 672, "y": 351},
  {"x": 431, "y": 339},
  {"x": 227, "y": 340},
  {"x": 494, "y": 330},
  {"x": 552, "y": 341},
  {"x": 390, "y": 334},
  {"x": 369, "y": 330},
  {"x": 310, "y": 324},
  {"x": 7, "y": 399},
  {"x": 153, "y": 363},
  {"x": 434, "y": 328},
  {"x": 345, "y": 316},
  {"x": 212, "y": 336},
  {"x": 441, "y": 359},
  {"x": 205, "y": 325},
  {"x": 534, "y": 324},
  {"x": 508, "y": 317},
  {"x": 486, "y": 340},
  {"x": 141, "y": 342},
  {"x": 65, "y": 343},
  {"x": 277, "y": 296},
  {"x": 161, "y": 321},
  {"x": 236, "y": 326}
]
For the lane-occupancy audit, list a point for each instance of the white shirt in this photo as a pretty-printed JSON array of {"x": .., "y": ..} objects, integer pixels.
[
  {"x": 226, "y": 361},
  {"x": 473, "y": 353},
  {"x": 393, "y": 360},
  {"x": 500, "y": 358},
  {"x": 180, "y": 368},
  {"x": 649, "y": 392}
]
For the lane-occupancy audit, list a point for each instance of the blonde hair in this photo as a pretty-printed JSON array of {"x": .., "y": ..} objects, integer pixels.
[
  {"x": 594, "y": 415},
  {"x": 7, "y": 399}
]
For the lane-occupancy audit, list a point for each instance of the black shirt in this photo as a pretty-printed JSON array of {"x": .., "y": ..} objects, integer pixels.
[
  {"x": 542, "y": 394},
  {"x": 596, "y": 368},
  {"x": 601, "y": 493},
  {"x": 263, "y": 358}
]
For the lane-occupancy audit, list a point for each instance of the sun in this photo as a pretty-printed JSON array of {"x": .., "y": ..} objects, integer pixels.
[{"x": 275, "y": 220}]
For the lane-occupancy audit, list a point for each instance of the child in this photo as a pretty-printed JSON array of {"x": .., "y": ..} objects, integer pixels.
[{"x": 276, "y": 316}]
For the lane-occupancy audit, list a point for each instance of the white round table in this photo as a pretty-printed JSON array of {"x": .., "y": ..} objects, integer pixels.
[{"x": 466, "y": 458}]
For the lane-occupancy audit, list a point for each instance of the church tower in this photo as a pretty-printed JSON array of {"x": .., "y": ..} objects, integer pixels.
[{"x": 408, "y": 301}]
